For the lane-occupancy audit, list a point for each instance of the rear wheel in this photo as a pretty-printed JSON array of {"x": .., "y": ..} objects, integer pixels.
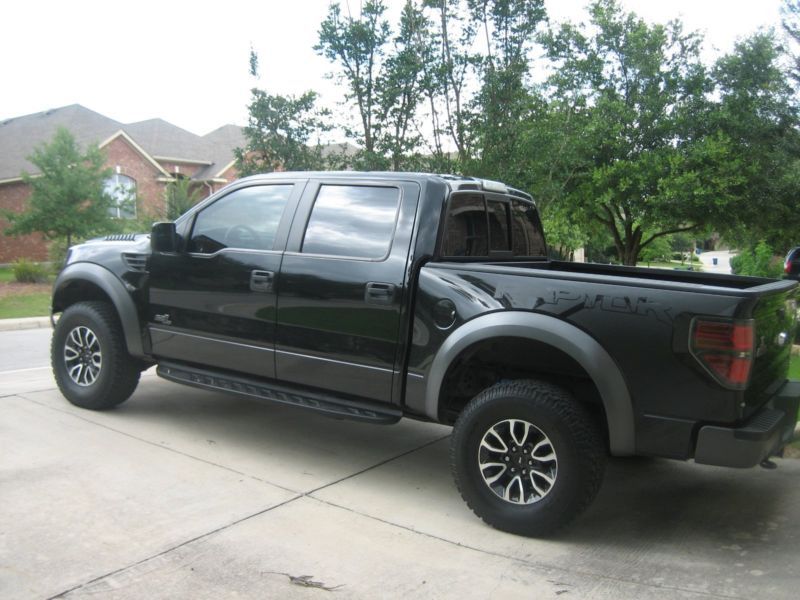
[
  {"x": 527, "y": 458},
  {"x": 90, "y": 362}
]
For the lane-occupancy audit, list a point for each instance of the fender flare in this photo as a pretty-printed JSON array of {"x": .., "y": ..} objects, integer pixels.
[
  {"x": 584, "y": 349},
  {"x": 115, "y": 290}
]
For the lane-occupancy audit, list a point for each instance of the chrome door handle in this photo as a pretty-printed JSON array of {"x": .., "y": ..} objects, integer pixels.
[{"x": 261, "y": 281}]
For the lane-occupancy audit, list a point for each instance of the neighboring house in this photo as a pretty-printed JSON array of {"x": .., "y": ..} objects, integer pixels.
[{"x": 144, "y": 158}]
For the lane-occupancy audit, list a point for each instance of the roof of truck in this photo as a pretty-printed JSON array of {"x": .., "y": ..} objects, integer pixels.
[{"x": 454, "y": 182}]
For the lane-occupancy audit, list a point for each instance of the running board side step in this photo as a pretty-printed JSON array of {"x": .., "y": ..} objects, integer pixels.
[{"x": 331, "y": 406}]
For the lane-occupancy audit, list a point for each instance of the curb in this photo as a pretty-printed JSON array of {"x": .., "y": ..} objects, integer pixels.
[{"x": 27, "y": 323}]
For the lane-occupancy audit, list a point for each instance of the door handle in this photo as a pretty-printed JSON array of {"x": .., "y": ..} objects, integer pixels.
[
  {"x": 261, "y": 281},
  {"x": 379, "y": 293}
]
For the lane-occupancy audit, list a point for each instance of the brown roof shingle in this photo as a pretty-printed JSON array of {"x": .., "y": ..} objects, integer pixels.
[{"x": 20, "y": 135}]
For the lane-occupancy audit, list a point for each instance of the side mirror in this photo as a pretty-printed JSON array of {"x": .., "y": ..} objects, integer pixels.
[{"x": 163, "y": 237}]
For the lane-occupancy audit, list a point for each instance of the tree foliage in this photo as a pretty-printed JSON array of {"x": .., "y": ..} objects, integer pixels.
[
  {"x": 67, "y": 199},
  {"x": 502, "y": 106},
  {"x": 758, "y": 261},
  {"x": 758, "y": 115},
  {"x": 790, "y": 23},
  {"x": 280, "y": 131},
  {"x": 648, "y": 164},
  {"x": 383, "y": 76},
  {"x": 181, "y": 195},
  {"x": 628, "y": 139}
]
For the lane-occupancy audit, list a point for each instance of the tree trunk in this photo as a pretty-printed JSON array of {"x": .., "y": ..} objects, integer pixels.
[{"x": 628, "y": 250}]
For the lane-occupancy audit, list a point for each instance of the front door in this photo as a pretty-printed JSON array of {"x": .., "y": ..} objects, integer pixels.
[
  {"x": 342, "y": 286},
  {"x": 213, "y": 302}
]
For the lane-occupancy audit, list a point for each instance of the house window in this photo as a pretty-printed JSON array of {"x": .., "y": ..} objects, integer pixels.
[{"x": 122, "y": 191}]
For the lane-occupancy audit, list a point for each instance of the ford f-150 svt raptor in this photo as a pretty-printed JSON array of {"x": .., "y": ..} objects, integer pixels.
[{"x": 374, "y": 296}]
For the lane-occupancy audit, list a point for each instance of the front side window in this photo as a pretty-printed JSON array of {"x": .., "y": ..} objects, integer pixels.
[
  {"x": 122, "y": 191},
  {"x": 245, "y": 219},
  {"x": 352, "y": 221}
]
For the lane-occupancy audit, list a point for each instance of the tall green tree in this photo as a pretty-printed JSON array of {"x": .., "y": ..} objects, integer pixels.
[
  {"x": 280, "y": 131},
  {"x": 649, "y": 164},
  {"x": 451, "y": 67},
  {"x": 758, "y": 113},
  {"x": 358, "y": 45},
  {"x": 67, "y": 200},
  {"x": 399, "y": 90},
  {"x": 790, "y": 23},
  {"x": 502, "y": 104}
]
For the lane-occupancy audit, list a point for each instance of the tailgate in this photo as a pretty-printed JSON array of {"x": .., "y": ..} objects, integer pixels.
[{"x": 776, "y": 319}]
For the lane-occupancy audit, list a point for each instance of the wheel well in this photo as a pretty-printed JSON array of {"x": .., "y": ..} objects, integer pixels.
[
  {"x": 78, "y": 290},
  {"x": 489, "y": 361}
]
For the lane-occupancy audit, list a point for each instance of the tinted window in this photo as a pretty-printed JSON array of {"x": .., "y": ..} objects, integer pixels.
[
  {"x": 499, "y": 231},
  {"x": 476, "y": 227},
  {"x": 466, "y": 233},
  {"x": 526, "y": 230},
  {"x": 356, "y": 221},
  {"x": 247, "y": 218}
]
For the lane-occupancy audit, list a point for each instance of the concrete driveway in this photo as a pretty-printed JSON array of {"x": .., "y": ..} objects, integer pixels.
[{"x": 181, "y": 493}]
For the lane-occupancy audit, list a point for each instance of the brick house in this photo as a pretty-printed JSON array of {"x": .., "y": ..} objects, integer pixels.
[{"x": 144, "y": 157}]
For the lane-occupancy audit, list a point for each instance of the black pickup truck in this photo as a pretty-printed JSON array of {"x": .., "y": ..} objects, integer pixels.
[{"x": 374, "y": 296}]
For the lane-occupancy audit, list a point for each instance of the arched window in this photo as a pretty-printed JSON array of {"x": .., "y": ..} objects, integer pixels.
[{"x": 122, "y": 190}]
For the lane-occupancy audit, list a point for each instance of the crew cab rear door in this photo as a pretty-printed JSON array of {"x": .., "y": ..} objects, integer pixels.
[
  {"x": 213, "y": 301},
  {"x": 342, "y": 286}
]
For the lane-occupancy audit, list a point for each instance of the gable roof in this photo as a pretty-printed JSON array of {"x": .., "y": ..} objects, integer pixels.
[
  {"x": 19, "y": 136},
  {"x": 157, "y": 138},
  {"x": 222, "y": 142},
  {"x": 165, "y": 140}
]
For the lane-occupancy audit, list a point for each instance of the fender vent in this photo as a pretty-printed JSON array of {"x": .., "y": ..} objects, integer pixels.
[
  {"x": 121, "y": 237},
  {"x": 135, "y": 261}
]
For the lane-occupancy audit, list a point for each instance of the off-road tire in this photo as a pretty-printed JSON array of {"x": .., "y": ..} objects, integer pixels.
[
  {"x": 116, "y": 377},
  {"x": 572, "y": 433}
]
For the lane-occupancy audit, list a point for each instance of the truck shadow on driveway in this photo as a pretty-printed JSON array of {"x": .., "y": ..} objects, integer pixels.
[{"x": 401, "y": 472}]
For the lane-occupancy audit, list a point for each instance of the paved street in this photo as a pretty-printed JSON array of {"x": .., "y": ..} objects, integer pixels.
[{"x": 181, "y": 493}]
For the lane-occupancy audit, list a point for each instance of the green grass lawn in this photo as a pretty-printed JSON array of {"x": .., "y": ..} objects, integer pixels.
[
  {"x": 794, "y": 367},
  {"x": 6, "y": 274},
  {"x": 673, "y": 264},
  {"x": 26, "y": 305}
]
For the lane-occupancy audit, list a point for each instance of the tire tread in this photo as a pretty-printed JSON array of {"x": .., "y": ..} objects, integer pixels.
[
  {"x": 584, "y": 432},
  {"x": 125, "y": 370}
]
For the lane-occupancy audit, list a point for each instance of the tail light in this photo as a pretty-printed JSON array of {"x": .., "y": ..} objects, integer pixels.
[
  {"x": 787, "y": 265},
  {"x": 725, "y": 349}
]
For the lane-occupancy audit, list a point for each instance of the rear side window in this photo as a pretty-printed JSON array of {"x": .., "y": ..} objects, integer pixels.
[
  {"x": 526, "y": 230},
  {"x": 477, "y": 226},
  {"x": 499, "y": 226},
  {"x": 352, "y": 221}
]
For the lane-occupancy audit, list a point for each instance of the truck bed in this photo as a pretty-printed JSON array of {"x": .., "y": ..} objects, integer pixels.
[
  {"x": 653, "y": 277},
  {"x": 643, "y": 317}
]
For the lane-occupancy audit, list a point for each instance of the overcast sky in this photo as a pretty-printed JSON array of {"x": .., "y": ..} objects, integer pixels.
[{"x": 187, "y": 61}]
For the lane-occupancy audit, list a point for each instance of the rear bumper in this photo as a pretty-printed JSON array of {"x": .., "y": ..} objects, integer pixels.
[{"x": 764, "y": 435}]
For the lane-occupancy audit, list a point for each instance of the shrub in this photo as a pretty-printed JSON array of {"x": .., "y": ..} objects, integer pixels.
[
  {"x": 760, "y": 261},
  {"x": 26, "y": 271}
]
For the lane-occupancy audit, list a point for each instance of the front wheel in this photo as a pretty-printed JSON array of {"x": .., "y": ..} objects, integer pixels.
[
  {"x": 90, "y": 363},
  {"x": 527, "y": 458}
]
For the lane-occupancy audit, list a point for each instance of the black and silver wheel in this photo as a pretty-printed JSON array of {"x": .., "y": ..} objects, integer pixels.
[
  {"x": 527, "y": 458},
  {"x": 517, "y": 461},
  {"x": 90, "y": 362},
  {"x": 83, "y": 356}
]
